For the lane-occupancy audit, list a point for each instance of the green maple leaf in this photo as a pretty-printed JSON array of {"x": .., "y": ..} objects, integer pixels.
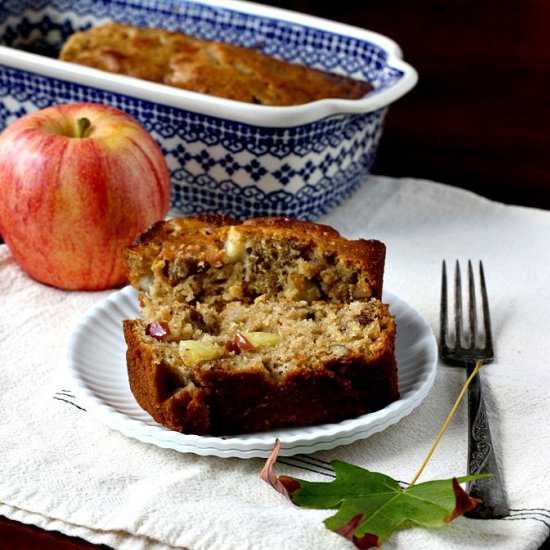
[{"x": 371, "y": 505}]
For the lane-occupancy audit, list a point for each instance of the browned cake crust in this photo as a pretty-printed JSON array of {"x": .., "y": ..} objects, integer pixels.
[
  {"x": 214, "y": 68},
  {"x": 258, "y": 325}
]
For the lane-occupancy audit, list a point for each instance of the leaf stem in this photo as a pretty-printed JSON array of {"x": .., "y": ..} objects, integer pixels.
[{"x": 447, "y": 420}]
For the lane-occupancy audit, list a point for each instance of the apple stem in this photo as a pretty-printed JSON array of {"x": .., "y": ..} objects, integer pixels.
[{"x": 82, "y": 126}]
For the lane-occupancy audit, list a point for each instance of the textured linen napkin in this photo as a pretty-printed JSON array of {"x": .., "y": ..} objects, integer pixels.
[{"x": 63, "y": 469}]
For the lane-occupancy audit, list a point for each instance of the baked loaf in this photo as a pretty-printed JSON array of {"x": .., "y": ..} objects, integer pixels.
[
  {"x": 215, "y": 68},
  {"x": 257, "y": 325}
]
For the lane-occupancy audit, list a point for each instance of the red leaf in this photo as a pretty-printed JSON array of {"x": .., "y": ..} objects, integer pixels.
[
  {"x": 284, "y": 485},
  {"x": 463, "y": 502},
  {"x": 368, "y": 540},
  {"x": 290, "y": 484}
]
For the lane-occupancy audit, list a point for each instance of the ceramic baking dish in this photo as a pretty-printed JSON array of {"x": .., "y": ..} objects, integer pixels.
[{"x": 224, "y": 155}]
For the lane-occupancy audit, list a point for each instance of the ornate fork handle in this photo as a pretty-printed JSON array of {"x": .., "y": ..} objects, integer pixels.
[{"x": 481, "y": 457}]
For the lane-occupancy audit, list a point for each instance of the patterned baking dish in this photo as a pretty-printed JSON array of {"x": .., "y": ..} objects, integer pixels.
[{"x": 224, "y": 155}]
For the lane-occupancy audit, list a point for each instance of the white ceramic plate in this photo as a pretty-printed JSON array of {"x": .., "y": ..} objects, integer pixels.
[{"x": 97, "y": 364}]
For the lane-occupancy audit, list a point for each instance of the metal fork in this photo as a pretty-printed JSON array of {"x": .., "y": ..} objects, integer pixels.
[{"x": 466, "y": 349}]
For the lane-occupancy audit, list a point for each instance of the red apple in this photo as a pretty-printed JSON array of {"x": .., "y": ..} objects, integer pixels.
[{"x": 78, "y": 183}]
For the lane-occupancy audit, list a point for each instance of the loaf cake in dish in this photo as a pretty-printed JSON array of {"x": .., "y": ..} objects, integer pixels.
[
  {"x": 258, "y": 325},
  {"x": 215, "y": 68}
]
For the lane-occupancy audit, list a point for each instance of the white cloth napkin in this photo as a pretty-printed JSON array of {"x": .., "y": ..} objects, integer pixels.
[{"x": 63, "y": 469}]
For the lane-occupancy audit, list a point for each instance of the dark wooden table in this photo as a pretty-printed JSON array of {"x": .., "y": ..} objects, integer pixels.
[{"x": 479, "y": 117}]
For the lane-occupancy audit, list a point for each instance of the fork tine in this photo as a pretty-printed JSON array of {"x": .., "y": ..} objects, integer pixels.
[
  {"x": 472, "y": 305},
  {"x": 486, "y": 315},
  {"x": 458, "y": 307},
  {"x": 443, "y": 308}
]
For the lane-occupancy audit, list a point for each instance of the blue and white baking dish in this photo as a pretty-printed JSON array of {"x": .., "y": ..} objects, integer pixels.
[{"x": 224, "y": 155}]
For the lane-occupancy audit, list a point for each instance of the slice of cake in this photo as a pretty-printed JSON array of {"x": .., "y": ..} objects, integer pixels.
[{"x": 258, "y": 325}]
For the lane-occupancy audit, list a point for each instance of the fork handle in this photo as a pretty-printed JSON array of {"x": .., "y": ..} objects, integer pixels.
[{"x": 481, "y": 457}]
